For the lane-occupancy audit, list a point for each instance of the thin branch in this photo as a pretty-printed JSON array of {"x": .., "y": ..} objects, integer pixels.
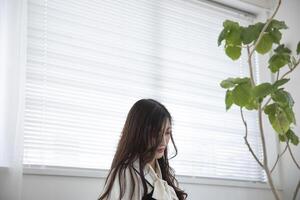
[
  {"x": 267, "y": 102},
  {"x": 279, "y": 156},
  {"x": 293, "y": 158},
  {"x": 296, "y": 190},
  {"x": 246, "y": 140},
  {"x": 284, "y": 75},
  {"x": 277, "y": 76},
  {"x": 250, "y": 67}
]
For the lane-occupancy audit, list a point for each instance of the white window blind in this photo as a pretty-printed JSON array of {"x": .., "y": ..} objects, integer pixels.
[{"x": 89, "y": 61}]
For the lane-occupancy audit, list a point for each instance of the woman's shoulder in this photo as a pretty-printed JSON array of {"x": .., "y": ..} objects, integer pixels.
[
  {"x": 124, "y": 173},
  {"x": 122, "y": 179}
]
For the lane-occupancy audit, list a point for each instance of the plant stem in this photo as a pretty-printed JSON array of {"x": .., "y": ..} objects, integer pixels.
[
  {"x": 293, "y": 158},
  {"x": 277, "y": 76},
  {"x": 265, "y": 156},
  {"x": 279, "y": 156},
  {"x": 267, "y": 102},
  {"x": 285, "y": 74},
  {"x": 296, "y": 190},
  {"x": 246, "y": 140},
  {"x": 250, "y": 67}
]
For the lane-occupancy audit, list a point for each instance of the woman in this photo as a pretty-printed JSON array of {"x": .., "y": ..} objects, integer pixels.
[{"x": 140, "y": 168}]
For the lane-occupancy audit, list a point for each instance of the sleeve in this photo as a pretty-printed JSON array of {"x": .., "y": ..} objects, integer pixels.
[{"x": 128, "y": 183}]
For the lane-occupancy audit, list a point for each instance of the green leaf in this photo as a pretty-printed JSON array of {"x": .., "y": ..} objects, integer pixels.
[
  {"x": 290, "y": 115},
  {"x": 251, "y": 33},
  {"x": 281, "y": 49},
  {"x": 280, "y": 58},
  {"x": 277, "y": 61},
  {"x": 247, "y": 36},
  {"x": 265, "y": 44},
  {"x": 283, "y": 98},
  {"x": 276, "y": 36},
  {"x": 298, "y": 48},
  {"x": 275, "y": 24},
  {"x": 228, "y": 83},
  {"x": 279, "y": 121},
  {"x": 228, "y": 99},
  {"x": 233, "y": 52},
  {"x": 241, "y": 80},
  {"x": 252, "y": 104},
  {"x": 280, "y": 83},
  {"x": 230, "y": 24},
  {"x": 262, "y": 90},
  {"x": 293, "y": 137},
  {"x": 222, "y": 36},
  {"x": 242, "y": 94},
  {"x": 282, "y": 138},
  {"x": 233, "y": 37},
  {"x": 270, "y": 109},
  {"x": 278, "y": 118},
  {"x": 232, "y": 33},
  {"x": 231, "y": 82}
]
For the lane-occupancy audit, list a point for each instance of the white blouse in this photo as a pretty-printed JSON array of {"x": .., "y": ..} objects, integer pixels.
[{"x": 161, "y": 191}]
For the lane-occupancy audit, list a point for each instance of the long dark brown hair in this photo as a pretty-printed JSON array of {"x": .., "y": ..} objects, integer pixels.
[{"x": 141, "y": 135}]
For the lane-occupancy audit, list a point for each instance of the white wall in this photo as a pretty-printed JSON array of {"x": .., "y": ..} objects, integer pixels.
[
  {"x": 36, "y": 187},
  {"x": 10, "y": 73}
]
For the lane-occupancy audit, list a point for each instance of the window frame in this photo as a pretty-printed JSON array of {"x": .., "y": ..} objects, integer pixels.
[{"x": 101, "y": 174}]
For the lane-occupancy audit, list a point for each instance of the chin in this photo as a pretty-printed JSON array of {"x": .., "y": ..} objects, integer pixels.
[{"x": 159, "y": 155}]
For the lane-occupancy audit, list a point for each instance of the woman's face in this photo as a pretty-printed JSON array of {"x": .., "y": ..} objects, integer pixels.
[{"x": 166, "y": 137}]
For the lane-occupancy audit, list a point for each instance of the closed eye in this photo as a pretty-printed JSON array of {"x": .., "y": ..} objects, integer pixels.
[{"x": 168, "y": 132}]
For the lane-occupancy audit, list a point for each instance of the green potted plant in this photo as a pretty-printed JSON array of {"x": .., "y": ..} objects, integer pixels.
[{"x": 269, "y": 99}]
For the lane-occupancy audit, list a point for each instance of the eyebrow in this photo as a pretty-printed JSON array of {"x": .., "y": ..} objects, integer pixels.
[{"x": 168, "y": 129}]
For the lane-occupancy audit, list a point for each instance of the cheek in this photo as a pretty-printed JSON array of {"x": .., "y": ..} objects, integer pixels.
[{"x": 168, "y": 139}]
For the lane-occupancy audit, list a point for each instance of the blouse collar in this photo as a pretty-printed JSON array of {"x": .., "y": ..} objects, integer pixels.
[{"x": 161, "y": 191}]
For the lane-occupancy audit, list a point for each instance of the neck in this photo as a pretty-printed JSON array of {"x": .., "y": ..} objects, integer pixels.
[{"x": 153, "y": 164}]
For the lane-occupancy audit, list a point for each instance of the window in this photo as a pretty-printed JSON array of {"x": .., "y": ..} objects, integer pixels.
[{"x": 89, "y": 61}]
